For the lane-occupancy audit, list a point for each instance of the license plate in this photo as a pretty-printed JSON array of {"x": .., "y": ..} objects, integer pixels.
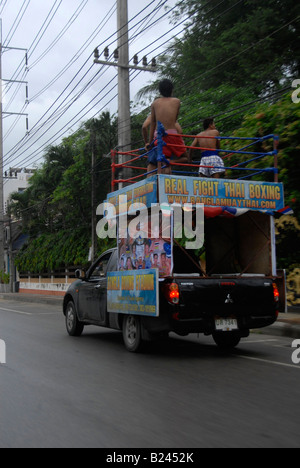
[{"x": 226, "y": 324}]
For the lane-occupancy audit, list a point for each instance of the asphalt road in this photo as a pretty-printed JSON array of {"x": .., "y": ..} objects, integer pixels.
[{"x": 57, "y": 391}]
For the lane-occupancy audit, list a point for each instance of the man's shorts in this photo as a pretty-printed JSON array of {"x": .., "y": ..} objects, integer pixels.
[
  {"x": 175, "y": 144},
  {"x": 152, "y": 157},
  {"x": 210, "y": 158}
]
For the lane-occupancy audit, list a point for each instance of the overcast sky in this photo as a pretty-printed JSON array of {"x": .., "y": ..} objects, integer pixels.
[{"x": 60, "y": 36}]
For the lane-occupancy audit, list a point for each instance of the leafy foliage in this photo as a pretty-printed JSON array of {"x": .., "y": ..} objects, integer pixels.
[
  {"x": 283, "y": 119},
  {"x": 232, "y": 54},
  {"x": 288, "y": 239},
  {"x": 242, "y": 43},
  {"x": 4, "y": 277}
]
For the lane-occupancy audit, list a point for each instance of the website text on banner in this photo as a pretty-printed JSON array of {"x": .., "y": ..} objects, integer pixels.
[
  {"x": 141, "y": 192},
  {"x": 246, "y": 195}
]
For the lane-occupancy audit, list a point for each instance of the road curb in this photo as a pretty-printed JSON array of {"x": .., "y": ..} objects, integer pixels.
[
  {"x": 287, "y": 330},
  {"x": 33, "y": 299}
]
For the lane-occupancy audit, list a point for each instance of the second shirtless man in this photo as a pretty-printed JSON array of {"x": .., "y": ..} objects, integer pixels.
[{"x": 212, "y": 164}]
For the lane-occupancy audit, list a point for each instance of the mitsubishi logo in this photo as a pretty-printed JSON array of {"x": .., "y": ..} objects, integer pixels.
[{"x": 229, "y": 299}]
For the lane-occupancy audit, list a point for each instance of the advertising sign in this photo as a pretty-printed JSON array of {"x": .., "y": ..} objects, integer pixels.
[
  {"x": 150, "y": 246},
  {"x": 133, "y": 292},
  {"x": 246, "y": 195},
  {"x": 143, "y": 192}
]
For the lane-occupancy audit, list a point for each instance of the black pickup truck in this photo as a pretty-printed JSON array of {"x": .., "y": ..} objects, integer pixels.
[{"x": 224, "y": 306}]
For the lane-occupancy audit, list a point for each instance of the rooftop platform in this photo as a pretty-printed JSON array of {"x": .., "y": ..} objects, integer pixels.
[{"x": 241, "y": 190}]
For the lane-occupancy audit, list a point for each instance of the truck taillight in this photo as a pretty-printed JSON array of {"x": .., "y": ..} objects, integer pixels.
[
  {"x": 276, "y": 292},
  {"x": 174, "y": 293}
]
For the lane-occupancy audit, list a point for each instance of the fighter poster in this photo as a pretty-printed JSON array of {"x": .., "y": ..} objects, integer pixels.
[{"x": 148, "y": 247}]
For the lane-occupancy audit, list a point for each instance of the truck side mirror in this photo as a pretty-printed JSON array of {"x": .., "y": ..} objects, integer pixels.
[{"x": 80, "y": 274}]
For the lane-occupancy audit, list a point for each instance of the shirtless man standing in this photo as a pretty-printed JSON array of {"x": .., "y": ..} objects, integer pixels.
[
  {"x": 147, "y": 125},
  {"x": 166, "y": 110},
  {"x": 210, "y": 157}
]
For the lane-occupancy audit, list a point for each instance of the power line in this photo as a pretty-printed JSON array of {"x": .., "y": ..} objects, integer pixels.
[
  {"x": 16, "y": 23},
  {"x": 133, "y": 26},
  {"x": 39, "y": 37},
  {"x": 56, "y": 115},
  {"x": 44, "y": 28},
  {"x": 3, "y": 6},
  {"x": 151, "y": 17},
  {"x": 126, "y": 126},
  {"x": 75, "y": 57},
  {"x": 73, "y": 18},
  {"x": 60, "y": 111},
  {"x": 60, "y": 132}
]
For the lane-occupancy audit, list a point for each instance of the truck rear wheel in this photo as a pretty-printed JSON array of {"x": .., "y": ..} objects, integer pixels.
[
  {"x": 227, "y": 340},
  {"x": 132, "y": 333}
]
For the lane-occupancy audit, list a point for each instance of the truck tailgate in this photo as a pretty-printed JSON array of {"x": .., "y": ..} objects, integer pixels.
[{"x": 226, "y": 297}]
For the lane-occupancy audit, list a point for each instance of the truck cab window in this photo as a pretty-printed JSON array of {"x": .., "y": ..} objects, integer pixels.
[
  {"x": 101, "y": 268},
  {"x": 113, "y": 264}
]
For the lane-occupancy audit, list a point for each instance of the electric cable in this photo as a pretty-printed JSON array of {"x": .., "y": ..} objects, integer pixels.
[
  {"x": 41, "y": 32},
  {"x": 73, "y": 18},
  {"x": 16, "y": 23},
  {"x": 3, "y": 6},
  {"x": 139, "y": 13},
  {"x": 105, "y": 20}
]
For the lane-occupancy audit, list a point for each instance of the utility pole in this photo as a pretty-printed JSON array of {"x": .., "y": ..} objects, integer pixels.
[
  {"x": 94, "y": 201},
  {"x": 124, "y": 126},
  {"x": 121, "y": 56}
]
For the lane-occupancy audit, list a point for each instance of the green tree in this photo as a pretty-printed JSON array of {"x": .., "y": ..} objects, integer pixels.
[
  {"x": 283, "y": 119},
  {"x": 245, "y": 43},
  {"x": 232, "y": 54}
]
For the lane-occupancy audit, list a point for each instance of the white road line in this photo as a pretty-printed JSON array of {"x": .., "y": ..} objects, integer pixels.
[
  {"x": 258, "y": 341},
  {"x": 45, "y": 313},
  {"x": 276, "y": 363},
  {"x": 27, "y": 313},
  {"x": 16, "y": 311}
]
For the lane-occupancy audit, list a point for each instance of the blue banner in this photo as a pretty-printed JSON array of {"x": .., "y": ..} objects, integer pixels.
[
  {"x": 143, "y": 192},
  {"x": 240, "y": 194},
  {"x": 133, "y": 292}
]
